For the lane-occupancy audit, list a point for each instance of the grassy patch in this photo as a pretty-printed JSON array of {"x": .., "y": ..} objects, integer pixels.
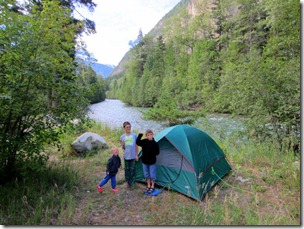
[
  {"x": 40, "y": 200},
  {"x": 66, "y": 193}
]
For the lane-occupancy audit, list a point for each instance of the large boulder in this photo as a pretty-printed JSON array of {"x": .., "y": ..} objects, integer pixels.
[{"x": 88, "y": 141}]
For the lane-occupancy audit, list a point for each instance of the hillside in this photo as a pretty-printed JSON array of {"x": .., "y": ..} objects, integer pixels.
[
  {"x": 102, "y": 69},
  {"x": 155, "y": 32},
  {"x": 237, "y": 57},
  {"x": 119, "y": 69},
  {"x": 158, "y": 30}
]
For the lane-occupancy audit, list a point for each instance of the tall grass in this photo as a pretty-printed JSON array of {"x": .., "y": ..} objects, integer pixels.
[
  {"x": 39, "y": 200},
  {"x": 270, "y": 196}
]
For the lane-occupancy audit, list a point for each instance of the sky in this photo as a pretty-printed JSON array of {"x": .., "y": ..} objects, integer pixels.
[{"x": 119, "y": 21}]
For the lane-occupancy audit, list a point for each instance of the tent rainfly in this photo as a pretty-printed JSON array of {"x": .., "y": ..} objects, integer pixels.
[{"x": 189, "y": 162}]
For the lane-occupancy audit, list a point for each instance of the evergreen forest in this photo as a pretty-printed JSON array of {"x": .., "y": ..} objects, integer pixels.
[{"x": 240, "y": 57}]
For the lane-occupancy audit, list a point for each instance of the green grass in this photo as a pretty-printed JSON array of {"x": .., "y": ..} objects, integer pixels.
[
  {"x": 65, "y": 193},
  {"x": 41, "y": 199}
]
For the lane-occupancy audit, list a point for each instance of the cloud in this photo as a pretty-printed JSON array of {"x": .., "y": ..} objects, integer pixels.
[{"x": 118, "y": 22}]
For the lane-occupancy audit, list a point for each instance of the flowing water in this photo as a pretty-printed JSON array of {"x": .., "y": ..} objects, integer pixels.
[{"x": 114, "y": 112}]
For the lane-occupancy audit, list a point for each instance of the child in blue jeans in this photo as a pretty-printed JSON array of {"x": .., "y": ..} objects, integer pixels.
[
  {"x": 112, "y": 168},
  {"x": 150, "y": 150}
]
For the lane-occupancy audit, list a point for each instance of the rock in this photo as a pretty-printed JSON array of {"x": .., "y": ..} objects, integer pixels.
[
  {"x": 88, "y": 141},
  {"x": 239, "y": 178}
]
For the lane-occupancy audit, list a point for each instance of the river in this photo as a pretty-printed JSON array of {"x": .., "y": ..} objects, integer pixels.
[{"x": 114, "y": 112}]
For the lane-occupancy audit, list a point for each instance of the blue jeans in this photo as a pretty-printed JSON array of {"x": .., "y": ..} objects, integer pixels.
[
  {"x": 149, "y": 171},
  {"x": 107, "y": 178}
]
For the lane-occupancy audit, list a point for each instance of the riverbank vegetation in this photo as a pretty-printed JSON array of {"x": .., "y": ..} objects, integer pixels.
[
  {"x": 262, "y": 189},
  {"x": 226, "y": 56},
  {"x": 43, "y": 87}
]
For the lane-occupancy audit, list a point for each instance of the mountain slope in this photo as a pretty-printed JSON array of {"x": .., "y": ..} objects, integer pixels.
[
  {"x": 155, "y": 32},
  {"x": 102, "y": 69}
]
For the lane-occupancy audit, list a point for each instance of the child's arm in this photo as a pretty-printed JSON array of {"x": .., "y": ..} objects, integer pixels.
[
  {"x": 122, "y": 144},
  {"x": 109, "y": 164},
  {"x": 138, "y": 139}
]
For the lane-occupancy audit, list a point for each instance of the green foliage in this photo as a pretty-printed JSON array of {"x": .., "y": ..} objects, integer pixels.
[
  {"x": 39, "y": 95},
  {"x": 166, "y": 110},
  {"x": 203, "y": 75},
  {"x": 238, "y": 57},
  {"x": 92, "y": 84},
  {"x": 40, "y": 199}
]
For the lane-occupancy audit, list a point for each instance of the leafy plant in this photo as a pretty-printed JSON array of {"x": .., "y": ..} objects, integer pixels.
[
  {"x": 166, "y": 110},
  {"x": 38, "y": 92}
]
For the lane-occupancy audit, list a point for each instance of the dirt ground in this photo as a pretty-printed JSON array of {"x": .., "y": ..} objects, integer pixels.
[
  {"x": 127, "y": 207},
  {"x": 132, "y": 207}
]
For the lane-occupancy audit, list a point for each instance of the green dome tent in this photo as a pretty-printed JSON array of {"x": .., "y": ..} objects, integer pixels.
[{"x": 189, "y": 161}]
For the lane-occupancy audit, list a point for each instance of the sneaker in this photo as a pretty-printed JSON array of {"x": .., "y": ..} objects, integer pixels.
[
  {"x": 99, "y": 188},
  {"x": 114, "y": 190},
  {"x": 147, "y": 189}
]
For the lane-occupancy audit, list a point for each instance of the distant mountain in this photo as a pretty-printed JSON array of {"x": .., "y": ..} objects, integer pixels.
[
  {"x": 118, "y": 71},
  {"x": 155, "y": 32},
  {"x": 102, "y": 69}
]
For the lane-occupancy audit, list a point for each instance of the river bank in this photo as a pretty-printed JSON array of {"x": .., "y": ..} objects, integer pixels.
[
  {"x": 258, "y": 191},
  {"x": 114, "y": 112},
  {"x": 263, "y": 189}
]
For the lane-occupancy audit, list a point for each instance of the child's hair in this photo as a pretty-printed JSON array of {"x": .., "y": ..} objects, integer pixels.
[
  {"x": 149, "y": 131},
  {"x": 115, "y": 149},
  {"x": 126, "y": 123}
]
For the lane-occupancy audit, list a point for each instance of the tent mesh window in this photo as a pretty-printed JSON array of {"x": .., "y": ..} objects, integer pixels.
[{"x": 170, "y": 157}]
